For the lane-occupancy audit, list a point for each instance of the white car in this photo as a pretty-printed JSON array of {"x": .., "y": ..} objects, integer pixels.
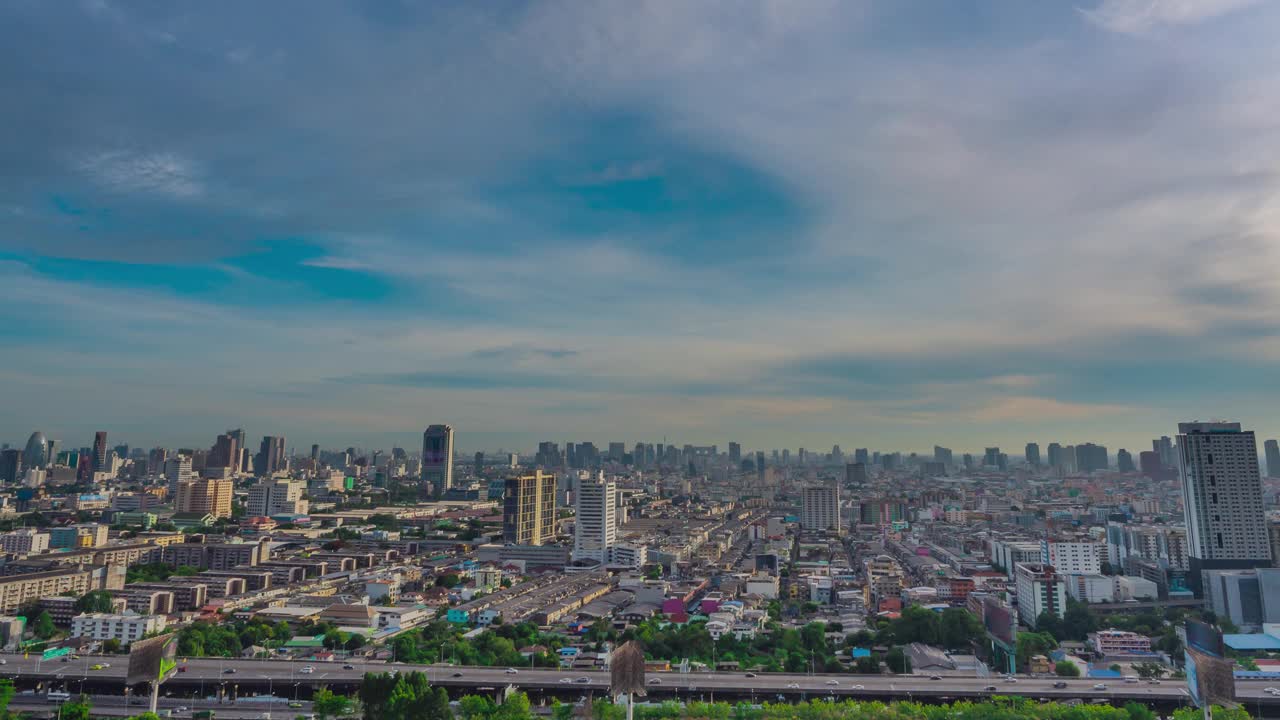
[
  {"x": 794, "y": 686},
  {"x": 307, "y": 670},
  {"x": 1099, "y": 686},
  {"x": 655, "y": 681},
  {"x": 856, "y": 687},
  {"x": 511, "y": 671},
  {"x": 833, "y": 682},
  {"x": 565, "y": 680}
]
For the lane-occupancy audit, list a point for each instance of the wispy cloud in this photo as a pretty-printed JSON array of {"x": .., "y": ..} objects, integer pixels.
[
  {"x": 129, "y": 171},
  {"x": 1138, "y": 16}
]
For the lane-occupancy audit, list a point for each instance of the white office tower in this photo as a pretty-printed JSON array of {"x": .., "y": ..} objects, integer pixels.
[
  {"x": 596, "y": 527},
  {"x": 177, "y": 469},
  {"x": 1222, "y": 499},
  {"x": 277, "y": 496},
  {"x": 821, "y": 508}
]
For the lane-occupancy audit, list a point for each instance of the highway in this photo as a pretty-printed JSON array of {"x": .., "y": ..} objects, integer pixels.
[{"x": 285, "y": 678}]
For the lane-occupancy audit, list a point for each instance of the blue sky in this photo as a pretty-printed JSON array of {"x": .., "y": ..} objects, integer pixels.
[{"x": 881, "y": 224}]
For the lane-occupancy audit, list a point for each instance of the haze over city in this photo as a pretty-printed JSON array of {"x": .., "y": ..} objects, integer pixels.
[{"x": 786, "y": 224}]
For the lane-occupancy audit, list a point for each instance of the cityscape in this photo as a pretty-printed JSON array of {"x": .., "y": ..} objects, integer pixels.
[
  {"x": 1069, "y": 573},
  {"x": 640, "y": 359}
]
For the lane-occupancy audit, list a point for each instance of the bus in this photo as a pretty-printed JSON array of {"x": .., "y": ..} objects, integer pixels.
[{"x": 58, "y": 696}]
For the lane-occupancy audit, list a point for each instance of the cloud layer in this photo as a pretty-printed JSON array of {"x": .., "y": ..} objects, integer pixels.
[{"x": 882, "y": 223}]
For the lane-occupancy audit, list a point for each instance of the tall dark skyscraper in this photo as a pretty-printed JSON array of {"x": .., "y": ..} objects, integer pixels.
[
  {"x": 855, "y": 474},
  {"x": 1090, "y": 457},
  {"x": 10, "y": 465},
  {"x": 735, "y": 454},
  {"x": 271, "y": 455},
  {"x": 225, "y": 453},
  {"x": 437, "y": 458},
  {"x": 760, "y": 464},
  {"x": 1124, "y": 461},
  {"x": 1273, "y": 458},
  {"x": 99, "y": 451},
  {"x": 479, "y": 463},
  {"x": 862, "y": 455},
  {"x": 991, "y": 458},
  {"x": 940, "y": 455},
  {"x": 1032, "y": 454},
  {"x": 315, "y": 451},
  {"x": 1222, "y": 499}
]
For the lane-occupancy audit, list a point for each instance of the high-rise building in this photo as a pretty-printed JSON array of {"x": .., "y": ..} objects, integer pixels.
[
  {"x": 276, "y": 496},
  {"x": 1222, "y": 499},
  {"x": 760, "y": 464},
  {"x": 225, "y": 453},
  {"x": 271, "y": 456},
  {"x": 595, "y": 525},
  {"x": 1040, "y": 590},
  {"x": 155, "y": 460},
  {"x": 315, "y": 452},
  {"x": 1054, "y": 455},
  {"x": 529, "y": 509},
  {"x": 177, "y": 470},
  {"x": 10, "y": 465},
  {"x": 855, "y": 474},
  {"x": 437, "y": 458},
  {"x": 1164, "y": 449},
  {"x": 1032, "y": 454},
  {"x": 940, "y": 454},
  {"x": 991, "y": 458},
  {"x": 820, "y": 508},
  {"x": 1124, "y": 461},
  {"x": 478, "y": 466},
  {"x": 205, "y": 495},
  {"x": 735, "y": 454},
  {"x": 99, "y": 451},
  {"x": 616, "y": 451},
  {"x": 862, "y": 455},
  {"x": 1273, "y": 458},
  {"x": 837, "y": 456},
  {"x": 36, "y": 454},
  {"x": 1090, "y": 458}
]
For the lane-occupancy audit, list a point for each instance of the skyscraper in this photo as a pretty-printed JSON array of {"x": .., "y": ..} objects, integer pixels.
[
  {"x": 36, "y": 455},
  {"x": 99, "y": 451},
  {"x": 1273, "y": 458},
  {"x": 1032, "y": 454},
  {"x": 760, "y": 464},
  {"x": 735, "y": 454},
  {"x": 205, "y": 496},
  {"x": 940, "y": 454},
  {"x": 855, "y": 474},
  {"x": 1090, "y": 457},
  {"x": 616, "y": 451},
  {"x": 1055, "y": 455},
  {"x": 177, "y": 470},
  {"x": 991, "y": 458},
  {"x": 478, "y": 468},
  {"x": 1222, "y": 499},
  {"x": 271, "y": 456},
  {"x": 315, "y": 452},
  {"x": 225, "y": 453},
  {"x": 10, "y": 465},
  {"x": 861, "y": 455},
  {"x": 1164, "y": 449},
  {"x": 1124, "y": 461},
  {"x": 529, "y": 509},
  {"x": 595, "y": 527},
  {"x": 437, "y": 458}
]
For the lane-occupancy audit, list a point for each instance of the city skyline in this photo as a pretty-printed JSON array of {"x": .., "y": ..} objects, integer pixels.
[{"x": 890, "y": 223}]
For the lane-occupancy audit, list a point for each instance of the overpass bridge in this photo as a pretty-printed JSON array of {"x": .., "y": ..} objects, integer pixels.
[{"x": 227, "y": 680}]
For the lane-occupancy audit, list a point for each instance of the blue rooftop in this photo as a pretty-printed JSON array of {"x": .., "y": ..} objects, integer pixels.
[{"x": 1251, "y": 641}]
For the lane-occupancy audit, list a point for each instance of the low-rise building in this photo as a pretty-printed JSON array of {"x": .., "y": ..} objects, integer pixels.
[
  {"x": 1119, "y": 642},
  {"x": 126, "y": 627}
]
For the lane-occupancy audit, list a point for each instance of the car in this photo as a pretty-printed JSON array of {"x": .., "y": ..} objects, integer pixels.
[
  {"x": 295, "y": 704},
  {"x": 563, "y": 680},
  {"x": 229, "y": 671},
  {"x": 935, "y": 677},
  {"x": 1011, "y": 679},
  {"x": 348, "y": 666},
  {"x": 3, "y": 661},
  {"x": 1153, "y": 681},
  {"x": 457, "y": 674},
  {"x": 582, "y": 680},
  {"x": 833, "y": 682},
  {"x": 307, "y": 670},
  {"x": 1131, "y": 681},
  {"x": 511, "y": 671},
  {"x": 751, "y": 674},
  {"x": 856, "y": 687},
  {"x": 1269, "y": 690},
  {"x": 1099, "y": 686},
  {"x": 95, "y": 666},
  {"x": 66, "y": 659},
  {"x": 989, "y": 688},
  {"x": 793, "y": 686},
  {"x": 1060, "y": 685},
  {"x": 655, "y": 681},
  {"x": 180, "y": 708}
]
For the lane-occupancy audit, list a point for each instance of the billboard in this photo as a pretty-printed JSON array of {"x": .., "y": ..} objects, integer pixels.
[
  {"x": 999, "y": 621},
  {"x": 152, "y": 659},
  {"x": 1210, "y": 674}
]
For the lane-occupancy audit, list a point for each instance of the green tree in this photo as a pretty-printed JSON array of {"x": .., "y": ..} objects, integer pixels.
[
  {"x": 375, "y": 695},
  {"x": 327, "y": 704},
  {"x": 917, "y": 624},
  {"x": 77, "y": 710},
  {"x": 111, "y": 646},
  {"x": 145, "y": 716},
  {"x": 1078, "y": 621},
  {"x": 868, "y": 665},
  {"x": 1031, "y": 644},
  {"x": 98, "y": 601},
  {"x": 43, "y": 627},
  {"x": 958, "y": 629},
  {"x": 1066, "y": 668},
  {"x": 1138, "y": 711},
  {"x": 897, "y": 661},
  {"x": 6, "y": 694},
  {"x": 1049, "y": 622}
]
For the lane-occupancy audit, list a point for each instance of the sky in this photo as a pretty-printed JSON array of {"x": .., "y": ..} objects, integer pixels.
[{"x": 785, "y": 223}]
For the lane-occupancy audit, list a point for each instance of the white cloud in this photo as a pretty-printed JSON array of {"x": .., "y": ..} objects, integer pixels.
[
  {"x": 1139, "y": 16},
  {"x": 163, "y": 173}
]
